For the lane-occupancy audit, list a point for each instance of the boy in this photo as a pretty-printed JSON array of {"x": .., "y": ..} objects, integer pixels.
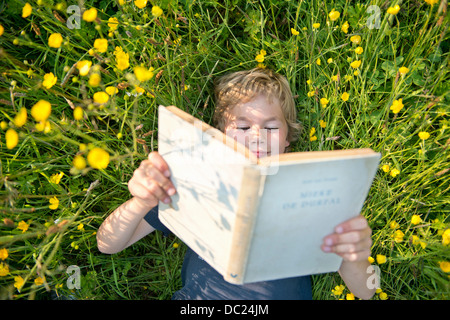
[{"x": 255, "y": 107}]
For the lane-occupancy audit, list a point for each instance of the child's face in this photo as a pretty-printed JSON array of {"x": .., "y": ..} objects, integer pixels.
[{"x": 259, "y": 125}]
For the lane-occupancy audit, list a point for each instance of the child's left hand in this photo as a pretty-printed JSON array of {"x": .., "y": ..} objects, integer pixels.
[{"x": 351, "y": 240}]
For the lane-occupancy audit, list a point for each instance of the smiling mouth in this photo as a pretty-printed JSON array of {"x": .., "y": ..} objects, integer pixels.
[{"x": 260, "y": 154}]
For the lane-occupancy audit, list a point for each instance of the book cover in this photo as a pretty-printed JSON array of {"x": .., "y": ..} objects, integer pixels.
[{"x": 257, "y": 219}]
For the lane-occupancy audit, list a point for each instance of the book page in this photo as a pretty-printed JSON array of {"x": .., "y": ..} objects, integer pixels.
[
  {"x": 207, "y": 176},
  {"x": 301, "y": 204}
]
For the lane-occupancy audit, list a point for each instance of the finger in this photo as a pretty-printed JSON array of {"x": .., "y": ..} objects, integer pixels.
[
  {"x": 356, "y": 256},
  {"x": 356, "y": 223},
  {"x": 154, "y": 174},
  {"x": 158, "y": 161},
  {"x": 348, "y": 237},
  {"x": 352, "y": 247},
  {"x": 151, "y": 190}
]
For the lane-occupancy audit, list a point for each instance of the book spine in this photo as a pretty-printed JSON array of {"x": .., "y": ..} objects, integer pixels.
[{"x": 251, "y": 190}]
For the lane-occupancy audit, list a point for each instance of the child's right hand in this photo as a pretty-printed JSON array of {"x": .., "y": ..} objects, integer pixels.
[{"x": 151, "y": 181}]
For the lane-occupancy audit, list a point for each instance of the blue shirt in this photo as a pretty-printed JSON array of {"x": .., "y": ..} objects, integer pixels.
[{"x": 202, "y": 282}]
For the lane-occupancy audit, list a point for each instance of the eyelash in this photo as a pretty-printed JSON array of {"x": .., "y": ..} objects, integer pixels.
[{"x": 247, "y": 128}]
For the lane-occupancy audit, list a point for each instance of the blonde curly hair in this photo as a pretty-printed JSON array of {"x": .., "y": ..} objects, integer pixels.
[{"x": 242, "y": 86}]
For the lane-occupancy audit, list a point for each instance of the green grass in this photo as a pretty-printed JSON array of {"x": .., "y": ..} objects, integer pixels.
[{"x": 191, "y": 44}]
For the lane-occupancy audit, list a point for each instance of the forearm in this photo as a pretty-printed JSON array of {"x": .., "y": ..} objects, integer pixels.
[
  {"x": 118, "y": 230},
  {"x": 356, "y": 276}
]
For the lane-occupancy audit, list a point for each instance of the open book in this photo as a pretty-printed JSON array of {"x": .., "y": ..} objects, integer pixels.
[{"x": 257, "y": 219}]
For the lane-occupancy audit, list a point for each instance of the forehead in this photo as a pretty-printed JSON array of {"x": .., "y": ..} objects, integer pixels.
[{"x": 257, "y": 108}]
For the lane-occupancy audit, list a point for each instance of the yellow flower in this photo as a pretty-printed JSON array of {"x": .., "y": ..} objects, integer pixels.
[
  {"x": 111, "y": 90},
  {"x": 79, "y": 162},
  {"x": 359, "y": 50},
  {"x": 383, "y": 295},
  {"x": 2, "y": 29},
  {"x": 355, "y": 64},
  {"x": 39, "y": 281},
  {"x": 54, "y": 203},
  {"x": 122, "y": 58},
  {"x": 397, "y": 105},
  {"x": 324, "y": 102},
  {"x": 294, "y": 32},
  {"x": 113, "y": 23},
  {"x": 445, "y": 266},
  {"x": 78, "y": 113},
  {"x": 55, "y": 40},
  {"x": 4, "y": 269},
  {"x": 26, "y": 10},
  {"x": 345, "y": 27},
  {"x": 334, "y": 78},
  {"x": 98, "y": 158},
  {"x": 416, "y": 219},
  {"x": 18, "y": 282},
  {"x": 385, "y": 168},
  {"x": 316, "y": 25},
  {"x": 381, "y": 258},
  {"x": 370, "y": 259},
  {"x": 394, "y": 225},
  {"x": 431, "y": 2},
  {"x": 143, "y": 74},
  {"x": 12, "y": 138},
  {"x": 140, "y": 3},
  {"x": 350, "y": 296},
  {"x": 43, "y": 126},
  {"x": 311, "y": 93},
  {"x": 330, "y": 60},
  {"x": 156, "y": 11},
  {"x": 398, "y": 236},
  {"x": 446, "y": 237},
  {"x": 345, "y": 96},
  {"x": 80, "y": 227},
  {"x": 394, "y": 172},
  {"x": 355, "y": 39},
  {"x": 334, "y": 15},
  {"x": 338, "y": 290},
  {"x": 49, "y": 80},
  {"x": 90, "y": 15},
  {"x": 424, "y": 135},
  {"x": 3, "y": 254},
  {"x": 23, "y": 226},
  {"x": 393, "y": 10},
  {"x": 94, "y": 80},
  {"x": 318, "y": 61},
  {"x": 56, "y": 178},
  {"x": 101, "y": 97},
  {"x": 41, "y": 110},
  {"x": 101, "y": 45},
  {"x": 259, "y": 58},
  {"x": 322, "y": 124},
  {"x": 403, "y": 70},
  {"x": 21, "y": 117},
  {"x": 84, "y": 66}
]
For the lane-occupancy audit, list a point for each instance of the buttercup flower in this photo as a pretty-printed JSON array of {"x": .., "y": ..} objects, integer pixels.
[
  {"x": 397, "y": 105},
  {"x": 381, "y": 259},
  {"x": 140, "y": 3},
  {"x": 54, "y": 203},
  {"x": 324, "y": 102},
  {"x": 398, "y": 236},
  {"x": 78, "y": 113},
  {"x": 39, "y": 281},
  {"x": 26, "y": 10},
  {"x": 90, "y": 15},
  {"x": 2, "y": 29},
  {"x": 316, "y": 25},
  {"x": 56, "y": 178},
  {"x": 143, "y": 74},
  {"x": 18, "y": 282},
  {"x": 312, "y": 133},
  {"x": 49, "y": 80},
  {"x": 446, "y": 237},
  {"x": 113, "y": 23},
  {"x": 322, "y": 124},
  {"x": 403, "y": 70},
  {"x": 156, "y": 11},
  {"x": 122, "y": 58},
  {"x": 4, "y": 269},
  {"x": 416, "y": 219},
  {"x": 3, "y": 254},
  {"x": 111, "y": 90},
  {"x": 101, "y": 45},
  {"x": 393, "y": 10},
  {"x": 431, "y": 2},
  {"x": 94, "y": 80},
  {"x": 23, "y": 226},
  {"x": 98, "y": 158},
  {"x": 355, "y": 64},
  {"x": 12, "y": 138},
  {"x": 385, "y": 168},
  {"x": 259, "y": 58},
  {"x": 21, "y": 117},
  {"x": 445, "y": 266},
  {"x": 424, "y": 135},
  {"x": 79, "y": 162},
  {"x": 359, "y": 50},
  {"x": 394, "y": 173},
  {"x": 294, "y": 32},
  {"x": 345, "y": 96},
  {"x": 338, "y": 290},
  {"x": 84, "y": 66},
  {"x": 41, "y": 110},
  {"x": 55, "y": 40},
  {"x": 345, "y": 27},
  {"x": 334, "y": 15},
  {"x": 355, "y": 39},
  {"x": 101, "y": 97}
]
